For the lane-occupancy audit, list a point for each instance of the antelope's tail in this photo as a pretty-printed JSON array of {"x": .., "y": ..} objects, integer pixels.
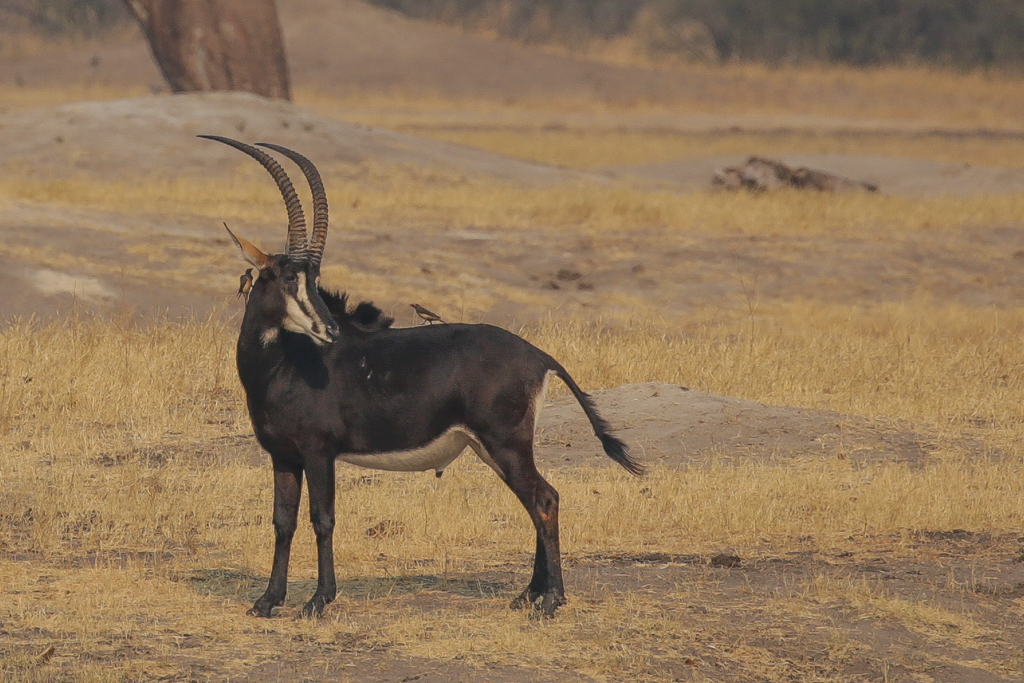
[{"x": 613, "y": 446}]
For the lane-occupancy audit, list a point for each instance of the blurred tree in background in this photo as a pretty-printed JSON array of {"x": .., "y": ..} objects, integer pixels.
[
  {"x": 199, "y": 45},
  {"x": 203, "y": 45}
]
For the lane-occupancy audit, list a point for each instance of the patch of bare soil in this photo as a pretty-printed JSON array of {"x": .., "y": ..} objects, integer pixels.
[
  {"x": 383, "y": 668},
  {"x": 670, "y": 425},
  {"x": 155, "y": 136}
]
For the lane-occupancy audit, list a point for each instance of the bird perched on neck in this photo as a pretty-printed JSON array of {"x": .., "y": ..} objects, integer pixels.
[{"x": 428, "y": 316}]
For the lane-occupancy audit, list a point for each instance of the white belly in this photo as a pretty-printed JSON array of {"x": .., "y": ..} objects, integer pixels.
[
  {"x": 440, "y": 452},
  {"x": 436, "y": 455}
]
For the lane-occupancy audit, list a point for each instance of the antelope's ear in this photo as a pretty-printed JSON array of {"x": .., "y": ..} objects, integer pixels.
[{"x": 249, "y": 251}]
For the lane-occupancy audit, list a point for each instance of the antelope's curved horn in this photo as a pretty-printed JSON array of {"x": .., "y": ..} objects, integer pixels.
[
  {"x": 316, "y": 186},
  {"x": 295, "y": 245}
]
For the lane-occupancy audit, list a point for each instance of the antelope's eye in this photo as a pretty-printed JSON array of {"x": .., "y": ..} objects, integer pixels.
[{"x": 290, "y": 278}]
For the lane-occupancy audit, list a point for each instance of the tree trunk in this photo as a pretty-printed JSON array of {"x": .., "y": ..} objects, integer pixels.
[{"x": 203, "y": 45}]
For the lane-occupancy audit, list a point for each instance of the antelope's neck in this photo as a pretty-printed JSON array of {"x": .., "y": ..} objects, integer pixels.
[{"x": 259, "y": 353}]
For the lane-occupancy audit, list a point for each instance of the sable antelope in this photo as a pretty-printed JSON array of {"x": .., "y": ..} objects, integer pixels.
[{"x": 326, "y": 383}]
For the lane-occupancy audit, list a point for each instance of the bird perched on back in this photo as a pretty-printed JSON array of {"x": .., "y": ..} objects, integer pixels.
[
  {"x": 429, "y": 317},
  {"x": 245, "y": 283}
]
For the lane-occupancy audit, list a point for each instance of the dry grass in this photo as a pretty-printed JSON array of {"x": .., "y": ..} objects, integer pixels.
[
  {"x": 140, "y": 402},
  {"x": 920, "y": 361},
  {"x": 944, "y": 365},
  {"x": 372, "y": 196},
  {"x": 103, "y": 446}
]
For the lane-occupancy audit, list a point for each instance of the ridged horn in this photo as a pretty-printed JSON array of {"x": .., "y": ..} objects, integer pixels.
[
  {"x": 316, "y": 186},
  {"x": 295, "y": 244}
]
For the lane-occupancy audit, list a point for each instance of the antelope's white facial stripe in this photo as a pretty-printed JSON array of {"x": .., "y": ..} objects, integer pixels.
[
  {"x": 436, "y": 455},
  {"x": 296, "y": 318},
  {"x": 301, "y": 315}
]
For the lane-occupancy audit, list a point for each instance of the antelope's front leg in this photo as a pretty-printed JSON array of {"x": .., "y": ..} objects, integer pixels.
[
  {"x": 287, "y": 493},
  {"x": 320, "y": 480}
]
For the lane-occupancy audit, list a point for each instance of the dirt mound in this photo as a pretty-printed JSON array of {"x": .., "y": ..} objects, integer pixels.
[
  {"x": 666, "y": 424},
  {"x": 892, "y": 175},
  {"x": 156, "y": 136}
]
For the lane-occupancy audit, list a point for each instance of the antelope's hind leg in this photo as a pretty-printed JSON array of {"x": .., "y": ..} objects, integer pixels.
[
  {"x": 515, "y": 464},
  {"x": 287, "y": 493}
]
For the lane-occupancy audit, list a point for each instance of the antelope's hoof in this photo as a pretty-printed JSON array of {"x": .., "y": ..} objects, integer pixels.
[
  {"x": 549, "y": 604},
  {"x": 541, "y": 605},
  {"x": 263, "y": 609},
  {"x": 526, "y": 600},
  {"x": 314, "y": 609}
]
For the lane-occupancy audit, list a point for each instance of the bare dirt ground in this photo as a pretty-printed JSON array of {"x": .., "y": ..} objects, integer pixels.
[
  {"x": 147, "y": 137},
  {"x": 56, "y": 257}
]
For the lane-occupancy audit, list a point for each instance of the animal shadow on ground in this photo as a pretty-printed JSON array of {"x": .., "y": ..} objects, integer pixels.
[{"x": 244, "y": 587}]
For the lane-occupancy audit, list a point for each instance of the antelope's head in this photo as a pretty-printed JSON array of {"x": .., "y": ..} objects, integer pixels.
[{"x": 285, "y": 294}]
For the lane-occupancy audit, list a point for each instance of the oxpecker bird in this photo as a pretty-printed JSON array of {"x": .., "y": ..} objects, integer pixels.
[
  {"x": 429, "y": 317},
  {"x": 245, "y": 283}
]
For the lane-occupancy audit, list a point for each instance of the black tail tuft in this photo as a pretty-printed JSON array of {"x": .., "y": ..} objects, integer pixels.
[
  {"x": 613, "y": 446},
  {"x": 618, "y": 452}
]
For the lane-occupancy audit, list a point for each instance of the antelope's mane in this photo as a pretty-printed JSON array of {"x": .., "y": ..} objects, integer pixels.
[{"x": 365, "y": 316}]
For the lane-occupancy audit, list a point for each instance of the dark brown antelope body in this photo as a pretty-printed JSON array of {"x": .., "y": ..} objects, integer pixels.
[{"x": 325, "y": 383}]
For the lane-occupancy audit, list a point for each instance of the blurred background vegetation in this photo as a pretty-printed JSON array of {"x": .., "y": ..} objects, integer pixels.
[
  {"x": 947, "y": 33},
  {"x": 62, "y": 18},
  {"x": 958, "y": 33}
]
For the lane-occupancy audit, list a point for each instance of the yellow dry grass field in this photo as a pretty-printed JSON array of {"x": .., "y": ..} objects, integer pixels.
[
  {"x": 135, "y": 506},
  {"x": 436, "y": 199},
  {"x": 135, "y": 509}
]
